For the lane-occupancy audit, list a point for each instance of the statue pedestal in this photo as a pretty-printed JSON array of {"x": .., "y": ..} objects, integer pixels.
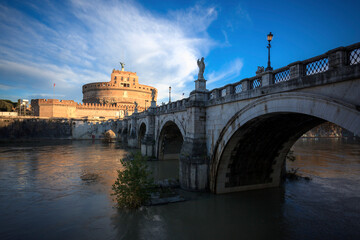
[
  {"x": 200, "y": 85},
  {"x": 153, "y": 104}
]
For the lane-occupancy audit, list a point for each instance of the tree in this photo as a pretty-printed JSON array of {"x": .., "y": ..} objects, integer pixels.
[
  {"x": 7, "y": 105},
  {"x": 133, "y": 186}
]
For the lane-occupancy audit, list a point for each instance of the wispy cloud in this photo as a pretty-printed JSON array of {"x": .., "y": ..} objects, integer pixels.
[
  {"x": 227, "y": 72},
  {"x": 5, "y": 87},
  {"x": 83, "y": 41}
]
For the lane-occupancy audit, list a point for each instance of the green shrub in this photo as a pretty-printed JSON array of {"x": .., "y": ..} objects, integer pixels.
[
  {"x": 290, "y": 156},
  {"x": 133, "y": 186}
]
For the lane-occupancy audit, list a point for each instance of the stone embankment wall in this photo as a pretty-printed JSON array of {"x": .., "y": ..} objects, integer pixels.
[
  {"x": 13, "y": 114},
  {"x": 54, "y": 128}
]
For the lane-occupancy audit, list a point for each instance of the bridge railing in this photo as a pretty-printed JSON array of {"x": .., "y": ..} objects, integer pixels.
[
  {"x": 353, "y": 54},
  {"x": 173, "y": 106},
  {"x": 342, "y": 56}
]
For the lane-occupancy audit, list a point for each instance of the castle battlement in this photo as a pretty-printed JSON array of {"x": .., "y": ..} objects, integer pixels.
[
  {"x": 53, "y": 101},
  {"x": 123, "y": 72}
]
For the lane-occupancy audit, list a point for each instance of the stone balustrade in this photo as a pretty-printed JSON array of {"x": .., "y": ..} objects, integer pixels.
[{"x": 333, "y": 59}]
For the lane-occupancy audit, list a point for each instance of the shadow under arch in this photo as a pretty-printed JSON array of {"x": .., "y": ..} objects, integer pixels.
[
  {"x": 252, "y": 147},
  {"x": 170, "y": 141},
  {"x": 141, "y": 133}
]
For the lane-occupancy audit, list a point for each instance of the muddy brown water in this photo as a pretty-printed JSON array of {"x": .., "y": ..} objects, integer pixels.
[{"x": 42, "y": 196}]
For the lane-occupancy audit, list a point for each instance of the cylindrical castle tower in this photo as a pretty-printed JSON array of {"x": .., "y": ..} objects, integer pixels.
[{"x": 123, "y": 88}]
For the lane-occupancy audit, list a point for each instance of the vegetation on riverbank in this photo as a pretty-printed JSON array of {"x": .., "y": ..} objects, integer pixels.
[
  {"x": 292, "y": 174},
  {"x": 134, "y": 185}
]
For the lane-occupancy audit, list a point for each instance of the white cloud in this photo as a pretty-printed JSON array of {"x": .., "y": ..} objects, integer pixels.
[
  {"x": 163, "y": 51},
  {"x": 84, "y": 44}
]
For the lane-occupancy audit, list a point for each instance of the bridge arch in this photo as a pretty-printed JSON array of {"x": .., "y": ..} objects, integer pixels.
[
  {"x": 252, "y": 147},
  {"x": 169, "y": 140},
  {"x": 170, "y": 118},
  {"x": 141, "y": 133}
]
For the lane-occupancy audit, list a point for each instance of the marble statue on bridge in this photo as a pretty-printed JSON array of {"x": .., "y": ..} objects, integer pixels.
[{"x": 201, "y": 66}]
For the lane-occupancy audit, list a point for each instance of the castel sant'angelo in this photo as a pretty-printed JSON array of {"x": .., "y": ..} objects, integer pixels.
[{"x": 114, "y": 99}]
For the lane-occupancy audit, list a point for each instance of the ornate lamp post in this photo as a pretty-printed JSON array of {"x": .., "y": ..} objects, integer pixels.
[
  {"x": 269, "y": 38},
  {"x": 169, "y": 94}
]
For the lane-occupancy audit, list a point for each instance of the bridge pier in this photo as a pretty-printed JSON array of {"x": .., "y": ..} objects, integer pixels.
[
  {"x": 194, "y": 161},
  {"x": 123, "y": 132},
  {"x": 194, "y": 165},
  {"x": 132, "y": 137},
  {"x": 147, "y": 146},
  {"x": 148, "y": 142}
]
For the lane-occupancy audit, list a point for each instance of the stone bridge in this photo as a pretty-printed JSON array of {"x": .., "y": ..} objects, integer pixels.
[{"x": 237, "y": 137}]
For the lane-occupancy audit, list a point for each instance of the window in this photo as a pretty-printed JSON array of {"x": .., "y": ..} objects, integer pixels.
[
  {"x": 122, "y": 78},
  {"x": 115, "y": 78},
  {"x": 134, "y": 79}
]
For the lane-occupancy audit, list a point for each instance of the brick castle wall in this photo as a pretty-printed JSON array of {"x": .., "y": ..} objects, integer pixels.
[{"x": 71, "y": 109}]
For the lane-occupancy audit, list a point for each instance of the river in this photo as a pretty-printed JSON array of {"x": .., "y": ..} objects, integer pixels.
[{"x": 43, "y": 197}]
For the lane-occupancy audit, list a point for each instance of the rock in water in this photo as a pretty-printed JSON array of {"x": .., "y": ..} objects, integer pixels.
[{"x": 109, "y": 135}]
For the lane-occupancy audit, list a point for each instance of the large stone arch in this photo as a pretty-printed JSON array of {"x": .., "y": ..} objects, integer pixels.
[{"x": 281, "y": 119}]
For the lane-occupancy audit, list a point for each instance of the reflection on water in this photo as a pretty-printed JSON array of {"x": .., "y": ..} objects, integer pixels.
[{"x": 43, "y": 197}]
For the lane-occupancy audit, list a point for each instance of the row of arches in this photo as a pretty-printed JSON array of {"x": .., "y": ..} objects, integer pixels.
[{"x": 253, "y": 153}]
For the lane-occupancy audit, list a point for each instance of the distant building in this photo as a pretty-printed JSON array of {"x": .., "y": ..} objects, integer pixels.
[
  {"x": 101, "y": 99},
  {"x": 23, "y": 107}
]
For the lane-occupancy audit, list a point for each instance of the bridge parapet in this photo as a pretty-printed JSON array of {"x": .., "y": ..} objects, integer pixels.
[
  {"x": 332, "y": 60},
  {"x": 179, "y": 105}
]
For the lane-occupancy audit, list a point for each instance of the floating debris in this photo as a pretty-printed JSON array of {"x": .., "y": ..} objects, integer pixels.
[
  {"x": 90, "y": 177},
  {"x": 293, "y": 175}
]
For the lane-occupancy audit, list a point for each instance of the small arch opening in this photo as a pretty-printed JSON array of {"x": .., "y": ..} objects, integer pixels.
[{"x": 141, "y": 134}]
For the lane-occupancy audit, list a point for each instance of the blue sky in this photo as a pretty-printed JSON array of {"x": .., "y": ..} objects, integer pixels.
[{"x": 74, "y": 42}]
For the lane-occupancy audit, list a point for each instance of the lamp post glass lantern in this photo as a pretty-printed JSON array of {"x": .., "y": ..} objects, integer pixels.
[{"x": 269, "y": 38}]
